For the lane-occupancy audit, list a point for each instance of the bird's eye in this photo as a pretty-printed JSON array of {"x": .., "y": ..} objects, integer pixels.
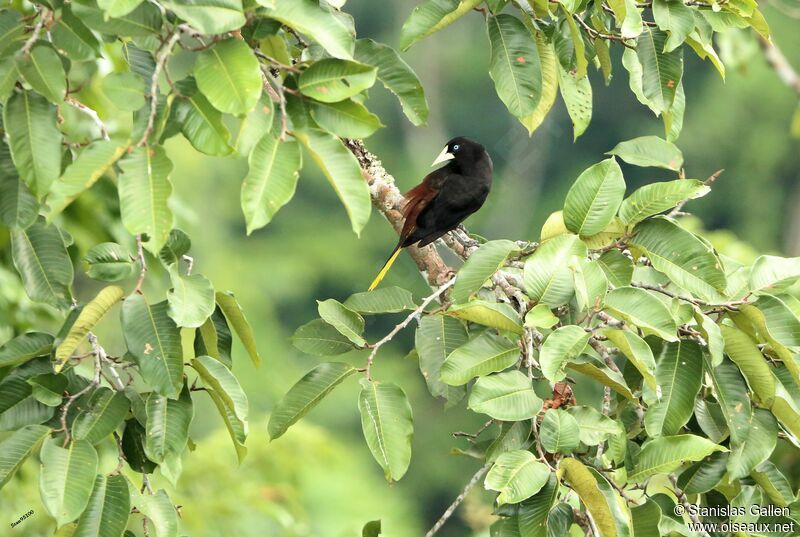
[{"x": 456, "y": 147}]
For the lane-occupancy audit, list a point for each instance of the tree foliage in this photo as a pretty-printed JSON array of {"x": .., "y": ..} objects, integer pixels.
[{"x": 696, "y": 353}]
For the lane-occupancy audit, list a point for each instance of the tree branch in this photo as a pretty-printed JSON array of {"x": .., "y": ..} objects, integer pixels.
[
  {"x": 780, "y": 64},
  {"x": 460, "y": 498},
  {"x": 89, "y": 112},
  {"x": 163, "y": 56}
]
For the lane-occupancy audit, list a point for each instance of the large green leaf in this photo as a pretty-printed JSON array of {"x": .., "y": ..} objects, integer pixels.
[
  {"x": 34, "y": 140},
  {"x": 479, "y": 267},
  {"x": 105, "y": 412},
  {"x": 271, "y": 179},
  {"x": 561, "y": 346},
  {"x": 43, "y": 70},
  {"x": 506, "y": 396},
  {"x": 675, "y": 18},
  {"x": 396, "y": 76},
  {"x": 16, "y": 448},
  {"x": 548, "y": 279},
  {"x": 72, "y": 37},
  {"x": 781, "y": 323},
  {"x": 154, "y": 342},
  {"x": 437, "y": 337},
  {"x": 661, "y": 71},
  {"x": 779, "y": 490},
  {"x": 42, "y": 261},
  {"x": 24, "y": 347},
  {"x": 255, "y": 125},
  {"x": 108, "y": 510},
  {"x": 67, "y": 478},
  {"x": 332, "y": 80},
  {"x": 167, "y": 425},
  {"x": 549, "y": 69},
  {"x": 657, "y": 197},
  {"x": 235, "y": 315},
  {"x": 144, "y": 20},
  {"x": 87, "y": 319},
  {"x": 514, "y": 64},
  {"x": 90, "y": 165},
  {"x": 321, "y": 339},
  {"x": 487, "y": 353},
  {"x": 308, "y": 17},
  {"x": 387, "y": 424},
  {"x": 341, "y": 169},
  {"x": 685, "y": 259},
  {"x": 617, "y": 267},
  {"x": 191, "y": 299},
  {"x": 160, "y": 510},
  {"x": 200, "y": 122},
  {"x": 517, "y": 476},
  {"x": 346, "y": 119},
  {"x": 209, "y": 16},
  {"x": 664, "y": 454},
  {"x": 533, "y": 512},
  {"x": 108, "y": 261},
  {"x": 649, "y": 151},
  {"x": 746, "y": 355},
  {"x": 383, "y": 300},
  {"x": 636, "y": 350},
  {"x": 218, "y": 377},
  {"x": 643, "y": 310},
  {"x": 584, "y": 483},
  {"x": 577, "y": 95},
  {"x": 306, "y": 394},
  {"x": 144, "y": 189},
  {"x": 594, "y": 426},
  {"x": 752, "y": 445},
  {"x": 431, "y": 16},
  {"x": 125, "y": 90},
  {"x": 18, "y": 206},
  {"x": 594, "y": 198},
  {"x": 771, "y": 272},
  {"x": 494, "y": 314},
  {"x": 559, "y": 431},
  {"x": 229, "y": 76},
  {"x": 679, "y": 374},
  {"x": 599, "y": 370},
  {"x": 118, "y": 8},
  {"x": 349, "y": 323},
  {"x": 704, "y": 475}
]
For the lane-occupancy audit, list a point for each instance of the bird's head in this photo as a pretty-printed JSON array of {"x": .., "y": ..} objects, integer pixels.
[{"x": 463, "y": 151}]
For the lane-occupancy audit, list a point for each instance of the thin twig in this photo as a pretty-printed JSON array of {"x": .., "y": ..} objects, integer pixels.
[
  {"x": 594, "y": 34},
  {"x": 460, "y": 498},
  {"x": 780, "y": 64},
  {"x": 730, "y": 305},
  {"x": 71, "y": 399},
  {"x": 161, "y": 59},
  {"x": 388, "y": 337},
  {"x": 89, "y": 112},
  {"x": 678, "y": 209},
  {"x": 142, "y": 264},
  {"x": 685, "y": 503},
  {"x": 44, "y": 16}
]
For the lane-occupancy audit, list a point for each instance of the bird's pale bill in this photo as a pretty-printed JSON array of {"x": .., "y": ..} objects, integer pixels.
[{"x": 444, "y": 156}]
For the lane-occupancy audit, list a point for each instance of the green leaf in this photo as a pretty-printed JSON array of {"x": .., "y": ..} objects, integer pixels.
[
  {"x": 679, "y": 374},
  {"x": 67, "y": 478},
  {"x": 661, "y": 71},
  {"x": 506, "y": 396},
  {"x": 514, "y": 64},
  {"x": 561, "y": 346},
  {"x": 72, "y": 37},
  {"x": 209, "y": 16},
  {"x": 548, "y": 279},
  {"x": 746, "y": 355},
  {"x": 346, "y": 119},
  {"x": 591, "y": 284},
  {"x": 479, "y": 267},
  {"x": 118, "y": 8},
  {"x": 200, "y": 122},
  {"x": 18, "y": 206},
  {"x": 341, "y": 169},
  {"x": 44, "y": 71},
  {"x": 636, "y": 350},
  {"x": 191, "y": 299},
  {"x": 584, "y": 483},
  {"x": 349, "y": 323},
  {"x": 540, "y": 316},
  {"x": 321, "y": 339},
  {"x": 218, "y": 377},
  {"x": 675, "y": 18},
  {"x": 651, "y": 151},
  {"x": 517, "y": 476},
  {"x": 617, "y": 267},
  {"x": 494, "y": 314},
  {"x": 15, "y": 448},
  {"x": 178, "y": 244},
  {"x": 255, "y": 125},
  {"x": 331, "y": 80},
  {"x": 160, "y": 510},
  {"x": 124, "y": 90},
  {"x": 387, "y": 424},
  {"x": 396, "y": 76},
  {"x": 431, "y": 16},
  {"x": 154, "y": 341},
  {"x": 594, "y": 426},
  {"x": 308, "y": 17},
  {"x": 305, "y": 395},
  {"x": 646, "y": 518},
  {"x": 214, "y": 339},
  {"x": 24, "y": 347},
  {"x": 19, "y": 406},
  {"x": 235, "y": 315},
  {"x": 752, "y": 445},
  {"x": 167, "y": 425},
  {"x": 144, "y": 189},
  {"x": 685, "y": 259},
  {"x": 12, "y": 28},
  {"x": 110, "y": 262},
  {"x": 533, "y": 512},
  {"x": 42, "y": 261},
  {"x": 48, "y": 389},
  {"x": 105, "y": 412},
  {"x": 88, "y": 318},
  {"x": 90, "y": 165},
  {"x": 559, "y": 431},
  {"x": 657, "y": 197},
  {"x": 271, "y": 179},
  {"x": 133, "y": 438},
  {"x": 774, "y": 483},
  {"x": 229, "y": 76},
  {"x": 487, "y": 353},
  {"x": 772, "y": 272},
  {"x": 383, "y": 300},
  {"x": 236, "y": 429},
  {"x": 34, "y": 140},
  {"x": 643, "y": 310},
  {"x": 594, "y": 198},
  {"x": 705, "y": 475},
  {"x": 144, "y": 20},
  {"x": 108, "y": 510},
  {"x": 598, "y": 370},
  {"x": 581, "y": 63},
  {"x": 550, "y": 75},
  {"x": 577, "y": 95},
  {"x": 664, "y": 454},
  {"x": 436, "y": 338}
]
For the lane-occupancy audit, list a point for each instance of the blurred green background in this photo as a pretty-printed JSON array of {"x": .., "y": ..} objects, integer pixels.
[{"x": 320, "y": 479}]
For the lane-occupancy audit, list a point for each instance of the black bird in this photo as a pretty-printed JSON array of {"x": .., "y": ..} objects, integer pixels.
[{"x": 445, "y": 198}]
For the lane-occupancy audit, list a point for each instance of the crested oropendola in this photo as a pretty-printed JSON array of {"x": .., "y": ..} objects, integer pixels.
[{"x": 445, "y": 198}]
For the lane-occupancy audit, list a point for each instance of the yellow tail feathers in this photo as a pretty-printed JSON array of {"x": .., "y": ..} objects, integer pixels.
[{"x": 385, "y": 269}]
